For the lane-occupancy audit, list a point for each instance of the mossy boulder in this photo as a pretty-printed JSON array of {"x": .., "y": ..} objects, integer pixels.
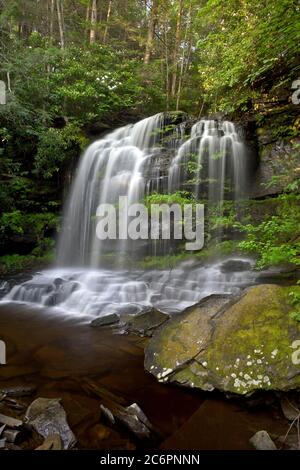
[{"x": 237, "y": 345}]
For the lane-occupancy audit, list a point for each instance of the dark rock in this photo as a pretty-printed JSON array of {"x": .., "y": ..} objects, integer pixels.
[
  {"x": 47, "y": 417},
  {"x": 262, "y": 441},
  {"x": 289, "y": 409},
  {"x": 144, "y": 323},
  {"x": 105, "y": 321},
  {"x": 274, "y": 158},
  {"x": 58, "y": 282},
  {"x": 130, "y": 309},
  {"x": 234, "y": 265},
  {"x": 291, "y": 442},
  {"x": 132, "y": 417},
  {"x": 4, "y": 288},
  {"x": 11, "y": 435},
  {"x": 18, "y": 391}
]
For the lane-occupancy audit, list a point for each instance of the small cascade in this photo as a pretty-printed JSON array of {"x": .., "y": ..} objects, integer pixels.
[
  {"x": 100, "y": 292},
  {"x": 218, "y": 156}
]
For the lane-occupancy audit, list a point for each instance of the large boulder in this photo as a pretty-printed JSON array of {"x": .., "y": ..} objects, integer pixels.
[{"x": 235, "y": 345}]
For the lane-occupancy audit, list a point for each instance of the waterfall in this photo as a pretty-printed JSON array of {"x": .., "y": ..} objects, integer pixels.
[
  {"x": 218, "y": 153},
  {"x": 111, "y": 167},
  {"x": 156, "y": 154}
]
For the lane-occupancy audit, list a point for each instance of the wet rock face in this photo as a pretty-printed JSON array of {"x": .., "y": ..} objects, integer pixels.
[
  {"x": 234, "y": 345},
  {"x": 275, "y": 159}
]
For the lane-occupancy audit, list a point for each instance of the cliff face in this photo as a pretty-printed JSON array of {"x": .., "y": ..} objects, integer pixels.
[{"x": 279, "y": 164}]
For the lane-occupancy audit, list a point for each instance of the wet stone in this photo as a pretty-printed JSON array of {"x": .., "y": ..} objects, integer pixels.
[
  {"x": 107, "y": 320},
  {"x": 47, "y": 417}
]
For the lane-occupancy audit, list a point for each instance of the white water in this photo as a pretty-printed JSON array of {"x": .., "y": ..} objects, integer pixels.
[
  {"x": 100, "y": 292},
  {"x": 133, "y": 161}
]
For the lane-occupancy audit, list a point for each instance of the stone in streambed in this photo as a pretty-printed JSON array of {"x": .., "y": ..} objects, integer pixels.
[
  {"x": 47, "y": 417},
  {"x": 144, "y": 323},
  {"x": 235, "y": 265},
  {"x": 107, "y": 320},
  {"x": 262, "y": 441},
  {"x": 239, "y": 346}
]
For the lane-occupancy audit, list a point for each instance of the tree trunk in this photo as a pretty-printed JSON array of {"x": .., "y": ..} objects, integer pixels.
[
  {"x": 151, "y": 31},
  {"x": 188, "y": 26},
  {"x": 176, "y": 48},
  {"x": 94, "y": 14},
  {"x": 87, "y": 20},
  {"x": 167, "y": 66},
  {"x": 107, "y": 21},
  {"x": 60, "y": 19},
  {"x": 51, "y": 21}
]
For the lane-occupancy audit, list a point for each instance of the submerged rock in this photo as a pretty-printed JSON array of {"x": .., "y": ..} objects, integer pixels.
[
  {"x": 235, "y": 345},
  {"x": 48, "y": 418}
]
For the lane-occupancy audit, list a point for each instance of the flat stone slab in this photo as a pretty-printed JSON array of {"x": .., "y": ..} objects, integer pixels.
[{"x": 106, "y": 320}]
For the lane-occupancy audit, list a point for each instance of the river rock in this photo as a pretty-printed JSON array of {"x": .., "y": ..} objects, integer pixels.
[
  {"x": 145, "y": 323},
  {"x": 235, "y": 265},
  {"x": 234, "y": 345},
  {"x": 48, "y": 418},
  {"x": 262, "y": 441},
  {"x": 107, "y": 320}
]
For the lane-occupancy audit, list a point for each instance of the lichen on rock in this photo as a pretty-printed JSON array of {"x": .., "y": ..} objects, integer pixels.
[{"x": 234, "y": 345}]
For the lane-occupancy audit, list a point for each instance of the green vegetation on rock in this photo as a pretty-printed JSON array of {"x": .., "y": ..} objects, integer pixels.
[{"x": 237, "y": 346}]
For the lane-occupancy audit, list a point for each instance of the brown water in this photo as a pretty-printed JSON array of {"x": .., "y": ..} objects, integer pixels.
[{"x": 57, "y": 353}]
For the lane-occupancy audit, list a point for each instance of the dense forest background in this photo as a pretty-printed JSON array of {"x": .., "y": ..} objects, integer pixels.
[{"x": 75, "y": 68}]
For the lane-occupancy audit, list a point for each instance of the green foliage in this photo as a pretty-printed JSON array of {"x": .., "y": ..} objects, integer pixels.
[
  {"x": 178, "y": 197},
  {"x": 89, "y": 82},
  {"x": 19, "y": 223},
  {"x": 11, "y": 264},
  {"x": 56, "y": 147},
  {"x": 242, "y": 45},
  {"x": 276, "y": 240}
]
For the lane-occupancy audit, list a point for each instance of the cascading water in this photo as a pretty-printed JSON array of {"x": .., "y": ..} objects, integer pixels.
[
  {"x": 111, "y": 167},
  {"x": 218, "y": 154},
  {"x": 134, "y": 161}
]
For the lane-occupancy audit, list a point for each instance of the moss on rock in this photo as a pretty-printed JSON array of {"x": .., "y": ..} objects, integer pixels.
[{"x": 237, "y": 347}]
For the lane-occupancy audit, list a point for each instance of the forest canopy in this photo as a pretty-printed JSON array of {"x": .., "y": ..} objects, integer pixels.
[{"x": 76, "y": 68}]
